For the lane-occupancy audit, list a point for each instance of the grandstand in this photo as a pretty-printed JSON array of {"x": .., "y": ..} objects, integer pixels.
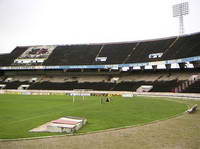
[
  {"x": 169, "y": 65},
  {"x": 120, "y": 72}
]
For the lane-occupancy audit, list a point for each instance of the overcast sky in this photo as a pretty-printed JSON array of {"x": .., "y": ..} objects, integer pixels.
[{"x": 49, "y": 22}]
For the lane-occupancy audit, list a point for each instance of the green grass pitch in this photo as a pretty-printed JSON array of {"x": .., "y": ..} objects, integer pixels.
[{"x": 21, "y": 113}]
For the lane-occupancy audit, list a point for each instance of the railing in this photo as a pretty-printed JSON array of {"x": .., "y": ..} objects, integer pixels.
[{"x": 187, "y": 84}]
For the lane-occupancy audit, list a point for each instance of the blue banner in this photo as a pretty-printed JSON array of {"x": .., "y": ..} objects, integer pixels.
[{"x": 109, "y": 66}]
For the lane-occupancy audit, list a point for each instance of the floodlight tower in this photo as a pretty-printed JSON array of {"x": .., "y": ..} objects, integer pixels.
[{"x": 179, "y": 10}]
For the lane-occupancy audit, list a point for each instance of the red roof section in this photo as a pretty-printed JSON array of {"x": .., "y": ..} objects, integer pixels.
[{"x": 59, "y": 121}]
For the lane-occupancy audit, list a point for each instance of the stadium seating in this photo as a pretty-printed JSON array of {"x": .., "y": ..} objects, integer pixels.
[
  {"x": 186, "y": 46},
  {"x": 4, "y": 59},
  {"x": 165, "y": 86},
  {"x": 108, "y": 53},
  {"x": 15, "y": 54},
  {"x": 130, "y": 86},
  {"x": 73, "y": 55},
  {"x": 144, "y": 49},
  {"x": 116, "y": 53},
  {"x": 14, "y": 84},
  {"x": 71, "y": 86},
  {"x": 160, "y": 80}
]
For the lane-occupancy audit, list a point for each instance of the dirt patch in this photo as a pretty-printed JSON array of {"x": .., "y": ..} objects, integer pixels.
[{"x": 42, "y": 128}]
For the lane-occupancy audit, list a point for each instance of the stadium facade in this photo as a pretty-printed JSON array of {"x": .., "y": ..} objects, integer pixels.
[{"x": 168, "y": 65}]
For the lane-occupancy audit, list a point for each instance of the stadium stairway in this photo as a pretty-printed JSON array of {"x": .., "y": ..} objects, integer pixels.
[{"x": 193, "y": 87}]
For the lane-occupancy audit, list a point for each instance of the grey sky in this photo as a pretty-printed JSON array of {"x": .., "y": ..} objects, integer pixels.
[{"x": 48, "y": 22}]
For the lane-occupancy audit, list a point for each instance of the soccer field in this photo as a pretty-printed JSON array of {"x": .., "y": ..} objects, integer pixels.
[{"x": 21, "y": 113}]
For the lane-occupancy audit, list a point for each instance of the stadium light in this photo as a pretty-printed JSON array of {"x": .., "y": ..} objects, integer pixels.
[{"x": 179, "y": 10}]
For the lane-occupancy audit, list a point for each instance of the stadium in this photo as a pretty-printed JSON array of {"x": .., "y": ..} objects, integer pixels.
[
  {"x": 162, "y": 67},
  {"x": 136, "y": 94}
]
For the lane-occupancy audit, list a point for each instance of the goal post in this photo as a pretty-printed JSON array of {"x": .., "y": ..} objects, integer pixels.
[{"x": 80, "y": 93}]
